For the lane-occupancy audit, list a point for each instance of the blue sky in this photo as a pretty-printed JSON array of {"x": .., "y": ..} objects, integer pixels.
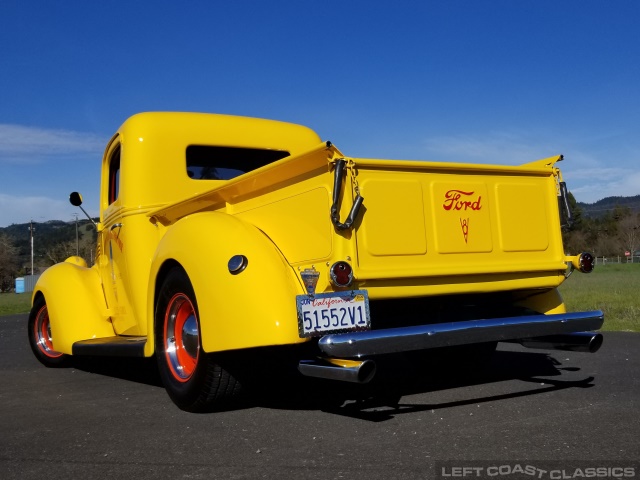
[{"x": 495, "y": 81}]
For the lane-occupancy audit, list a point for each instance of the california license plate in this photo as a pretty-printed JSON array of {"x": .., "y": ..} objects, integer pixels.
[{"x": 333, "y": 312}]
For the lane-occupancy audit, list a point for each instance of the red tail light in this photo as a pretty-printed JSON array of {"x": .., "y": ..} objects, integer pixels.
[
  {"x": 586, "y": 262},
  {"x": 341, "y": 274}
]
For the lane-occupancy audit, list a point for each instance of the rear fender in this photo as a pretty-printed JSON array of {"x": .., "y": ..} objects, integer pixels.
[
  {"x": 75, "y": 303},
  {"x": 547, "y": 302},
  {"x": 255, "y": 307}
]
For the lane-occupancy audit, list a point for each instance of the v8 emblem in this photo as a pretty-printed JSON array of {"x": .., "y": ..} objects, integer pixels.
[{"x": 464, "y": 224}]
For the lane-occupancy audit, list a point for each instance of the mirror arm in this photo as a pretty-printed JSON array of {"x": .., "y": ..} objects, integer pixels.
[
  {"x": 87, "y": 215},
  {"x": 76, "y": 200}
]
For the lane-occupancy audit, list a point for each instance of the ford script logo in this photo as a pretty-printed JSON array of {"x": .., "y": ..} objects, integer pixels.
[{"x": 460, "y": 200}]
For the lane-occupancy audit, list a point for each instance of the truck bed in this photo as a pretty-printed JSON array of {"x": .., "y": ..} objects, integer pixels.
[{"x": 424, "y": 227}]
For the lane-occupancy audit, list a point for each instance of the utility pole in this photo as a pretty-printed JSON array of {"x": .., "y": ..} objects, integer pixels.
[
  {"x": 31, "y": 229},
  {"x": 77, "y": 238}
]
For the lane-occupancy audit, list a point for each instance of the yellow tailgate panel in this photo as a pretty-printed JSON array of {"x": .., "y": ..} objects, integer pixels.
[
  {"x": 383, "y": 215},
  {"x": 519, "y": 231},
  {"x": 461, "y": 217}
]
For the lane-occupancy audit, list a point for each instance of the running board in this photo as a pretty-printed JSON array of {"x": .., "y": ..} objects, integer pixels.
[{"x": 117, "y": 346}]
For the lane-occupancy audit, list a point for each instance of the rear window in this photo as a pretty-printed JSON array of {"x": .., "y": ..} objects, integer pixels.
[
  {"x": 114, "y": 175},
  {"x": 224, "y": 163}
]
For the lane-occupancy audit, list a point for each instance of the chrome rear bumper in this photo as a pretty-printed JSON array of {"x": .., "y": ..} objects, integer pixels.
[{"x": 393, "y": 340}]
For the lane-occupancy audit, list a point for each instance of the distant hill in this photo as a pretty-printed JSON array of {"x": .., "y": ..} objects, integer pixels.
[
  {"x": 51, "y": 232},
  {"x": 607, "y": 205},
  {"x": 45, "y": 236}
]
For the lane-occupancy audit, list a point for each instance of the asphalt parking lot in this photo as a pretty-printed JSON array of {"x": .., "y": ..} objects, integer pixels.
[{"x": 103, "y": 419}]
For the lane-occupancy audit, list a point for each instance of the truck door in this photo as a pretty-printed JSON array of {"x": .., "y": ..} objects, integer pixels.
[{"x": 113, "y": 242}]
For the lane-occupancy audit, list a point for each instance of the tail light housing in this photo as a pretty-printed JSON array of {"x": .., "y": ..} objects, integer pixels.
[
  {"x": 341, "y": 274},
  {"x": 586, "y": 262}
]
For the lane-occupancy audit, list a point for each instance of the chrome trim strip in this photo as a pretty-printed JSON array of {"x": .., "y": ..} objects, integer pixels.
[{"x": 392, "y": 340}]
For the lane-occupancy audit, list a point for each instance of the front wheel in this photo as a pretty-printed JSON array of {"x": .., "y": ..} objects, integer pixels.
[
  {"x": 192, "y": 378},
  {"x": 40, "y": 338}
]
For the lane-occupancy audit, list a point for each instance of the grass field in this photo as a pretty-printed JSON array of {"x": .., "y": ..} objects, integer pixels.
[
  {"x": 11, "y": 303},
  {"x": 614, "y": 289}
]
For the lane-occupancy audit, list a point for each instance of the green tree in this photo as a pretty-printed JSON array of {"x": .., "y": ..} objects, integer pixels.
[
  {"x": 573, "y": 236},
  {"x": 576, "y": 213},
  {"x": 629, "y": 233},
  {"x": 8, "y": 263}
]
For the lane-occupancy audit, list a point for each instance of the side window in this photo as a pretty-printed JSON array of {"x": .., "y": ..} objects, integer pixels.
[
  {"x": 114, "y": 175},
  {"x": 206, "y": 162}
]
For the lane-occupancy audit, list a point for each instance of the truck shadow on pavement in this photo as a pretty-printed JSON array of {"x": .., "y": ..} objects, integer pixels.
[
  {"x": 398, "y": 376},
  {"x": 139, "y": 370}
]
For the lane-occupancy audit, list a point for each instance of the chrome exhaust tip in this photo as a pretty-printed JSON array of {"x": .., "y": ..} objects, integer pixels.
[
  {"x": 354, "y": 371},
  {"x": 588, "y": 342}
]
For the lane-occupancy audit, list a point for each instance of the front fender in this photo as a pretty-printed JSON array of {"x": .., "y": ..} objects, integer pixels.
[
  {"x": 255, "y": 307},
  {"x": 75, "y": 304}
]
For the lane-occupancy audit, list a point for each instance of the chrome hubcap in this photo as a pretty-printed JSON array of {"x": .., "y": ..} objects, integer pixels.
[
  {"x": 182, "y": 338},
  {"x": 42, "y": 334}
]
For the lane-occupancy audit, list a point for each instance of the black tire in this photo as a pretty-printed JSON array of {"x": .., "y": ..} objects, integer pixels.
[
  {"x": 193, "y": 379},
  {"x": 39, "y": 331}
]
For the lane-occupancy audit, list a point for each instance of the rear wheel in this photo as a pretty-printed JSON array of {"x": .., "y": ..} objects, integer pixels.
[
  {"x": 40, "y": 338},
  {"x": 193, "y": 379}
]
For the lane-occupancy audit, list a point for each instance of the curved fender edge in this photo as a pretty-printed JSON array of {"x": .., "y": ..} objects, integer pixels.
[
  {"x": 255, "y": 307},
  {"x": 547, "y": 302},
  {"x": 75, "y": 303}
]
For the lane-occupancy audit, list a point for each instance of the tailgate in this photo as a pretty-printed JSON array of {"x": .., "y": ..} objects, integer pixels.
[{"x": 446, "y": 219}]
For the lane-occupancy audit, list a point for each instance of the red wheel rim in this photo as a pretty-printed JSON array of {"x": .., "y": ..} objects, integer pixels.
[
  {"x": 181, "y": 337},
  {"x": 42, "y": 334}
]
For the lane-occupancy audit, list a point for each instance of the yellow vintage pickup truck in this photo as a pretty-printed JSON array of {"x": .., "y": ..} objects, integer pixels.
[{"x": 220, "y": 233}]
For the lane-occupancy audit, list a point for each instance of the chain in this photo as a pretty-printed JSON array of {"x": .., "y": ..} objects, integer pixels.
[{"x": 351, "y": 165}]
